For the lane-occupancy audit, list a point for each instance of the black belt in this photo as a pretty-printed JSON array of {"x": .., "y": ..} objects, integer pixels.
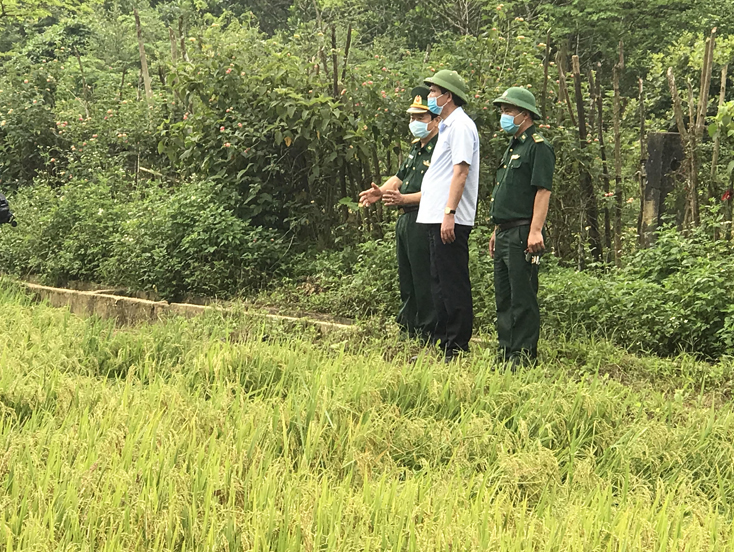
[
  {"x": 408, "y": 209},
  {"x": 514, "y": 224}
]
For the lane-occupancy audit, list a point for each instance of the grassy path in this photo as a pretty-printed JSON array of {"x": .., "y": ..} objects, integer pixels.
[{"x": 199, "y": 435}]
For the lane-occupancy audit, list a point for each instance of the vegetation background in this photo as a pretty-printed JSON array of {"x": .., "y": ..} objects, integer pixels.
[{"x": 216, "y": 150}]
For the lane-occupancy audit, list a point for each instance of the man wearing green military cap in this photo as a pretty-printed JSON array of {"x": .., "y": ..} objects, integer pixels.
[
  {"x": 448, "y": 207},
  {"x": 417, "y": 314},
  {"x": 519, "y": 207}
]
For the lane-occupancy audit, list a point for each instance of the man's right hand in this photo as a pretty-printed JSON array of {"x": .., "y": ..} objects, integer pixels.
[
  {"x": 368, "y": 197},
  {"x": 491, "y": 244}
]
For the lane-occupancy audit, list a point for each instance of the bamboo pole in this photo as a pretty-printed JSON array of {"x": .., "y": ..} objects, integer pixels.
[
  {"x": 643, "y": 158},
  {"x": 618, "y": 197},
  {"x": 705, "y": 84},
  {"x": 335, "y": 61},
  {"x": 546, "y": 64},
  {"x": 586, "y": 184},
  {"x": 561, "y": 63},
  {"x": 717, "y": 136},
  {"x": 603, "y": 154}
]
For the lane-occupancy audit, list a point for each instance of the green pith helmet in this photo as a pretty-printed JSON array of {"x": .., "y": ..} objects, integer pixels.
[
  {"x": 519, "y": 97},
  {"x": 420, "y": 100},
  {"x": 451, "y": 81}
]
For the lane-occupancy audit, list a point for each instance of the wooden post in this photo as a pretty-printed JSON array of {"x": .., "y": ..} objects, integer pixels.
[
  {"x": 618, "y": 198},
  {"x": 586, "y": 184},
  {"x": 143, "y": 59},
  {"x": 603, "y": 152},
  {"x": 546, "y": 64},
  {"x": 643, "y": 159}
]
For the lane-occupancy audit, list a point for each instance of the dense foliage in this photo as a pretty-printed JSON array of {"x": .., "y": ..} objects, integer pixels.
[{"x": 233, "y": 162}]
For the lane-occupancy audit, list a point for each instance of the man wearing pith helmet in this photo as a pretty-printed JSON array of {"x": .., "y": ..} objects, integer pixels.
[
  {"x": 519, "y": 207},
  {"x": 417, "y": 315},
  {"x": 448, "y": 207}
]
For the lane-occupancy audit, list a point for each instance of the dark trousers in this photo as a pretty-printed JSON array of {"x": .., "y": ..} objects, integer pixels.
[
  {"x": 516, "y": 294},
  {"x": 451, "y": 288},
  {"x": 417, "y": 315}
]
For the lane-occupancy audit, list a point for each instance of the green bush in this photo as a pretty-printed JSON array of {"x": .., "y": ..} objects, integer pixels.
[{"x": 191, "y": 242}]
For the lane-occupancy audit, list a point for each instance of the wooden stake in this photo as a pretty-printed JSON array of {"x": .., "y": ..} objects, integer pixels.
[
  {"x": 143, "y": 59},
  {"x": 603, "y": 152}
]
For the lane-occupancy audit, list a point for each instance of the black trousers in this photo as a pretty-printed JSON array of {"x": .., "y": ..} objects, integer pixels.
[{"x": 451, "y": 288}]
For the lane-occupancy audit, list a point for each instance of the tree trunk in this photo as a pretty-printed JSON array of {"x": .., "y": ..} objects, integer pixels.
[
  {"x": 182, "y": 39},
  {"x": 143, "y": 59},
  {"x": 586, "y": 184}
]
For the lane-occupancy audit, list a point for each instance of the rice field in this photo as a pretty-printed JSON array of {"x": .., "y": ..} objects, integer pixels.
[{"x": 221, "y": 434}]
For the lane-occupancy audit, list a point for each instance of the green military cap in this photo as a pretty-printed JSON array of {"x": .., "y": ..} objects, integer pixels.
[
  {"x": 519, "y": 97},
  {"x": 420, "y": 100},
  {"x": 451, "y": 81}
]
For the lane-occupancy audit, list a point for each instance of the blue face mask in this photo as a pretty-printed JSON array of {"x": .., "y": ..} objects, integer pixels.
[
  {"x": 433, "y": 106},
  {"x": 419, "y": 129},
  {"x": 507, "y": 122}
]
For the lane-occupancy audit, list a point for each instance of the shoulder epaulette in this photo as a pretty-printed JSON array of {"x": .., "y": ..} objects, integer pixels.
[{"x": 538, "y": 138}]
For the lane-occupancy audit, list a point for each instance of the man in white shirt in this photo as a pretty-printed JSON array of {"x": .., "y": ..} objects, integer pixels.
[{"x": 448, "y": 206}]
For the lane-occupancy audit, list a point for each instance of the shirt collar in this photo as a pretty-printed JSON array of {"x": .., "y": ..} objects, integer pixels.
[
  {"x": 523, "y": 138},
  {"x": 450, "y": 119}
]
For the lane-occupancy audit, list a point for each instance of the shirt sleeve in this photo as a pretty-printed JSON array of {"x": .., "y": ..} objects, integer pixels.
[
  {"x": 462, "y": 142},
  {"x": 544, "y": 163}
]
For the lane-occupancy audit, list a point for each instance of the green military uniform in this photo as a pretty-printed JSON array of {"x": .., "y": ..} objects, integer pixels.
[
  {"x": 417, "y": 314},
  {"x": 527, "y": 165}
]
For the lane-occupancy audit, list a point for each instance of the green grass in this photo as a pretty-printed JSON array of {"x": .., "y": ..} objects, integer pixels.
[{"x": 212, "y": 434}]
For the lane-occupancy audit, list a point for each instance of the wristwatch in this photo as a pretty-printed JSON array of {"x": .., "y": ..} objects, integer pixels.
[{"x": 449, "y": 211}]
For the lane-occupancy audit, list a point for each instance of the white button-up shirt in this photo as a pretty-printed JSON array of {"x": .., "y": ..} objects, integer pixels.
[{"x": 458, "y": 142}]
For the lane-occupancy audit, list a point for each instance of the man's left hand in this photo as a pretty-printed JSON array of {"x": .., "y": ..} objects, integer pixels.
[
  {"x": 535, "y": 241},
  {"x": 392, "y": 198},
  {"x": 447, "y": 229}
]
